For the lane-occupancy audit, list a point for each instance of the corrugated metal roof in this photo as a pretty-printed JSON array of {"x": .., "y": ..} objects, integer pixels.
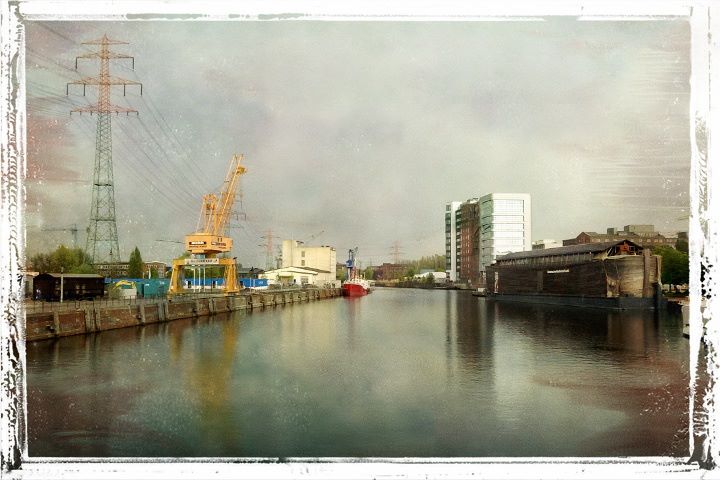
[
  {"x": 315, "y": 270},
  {"x": 568, "y": 250}
]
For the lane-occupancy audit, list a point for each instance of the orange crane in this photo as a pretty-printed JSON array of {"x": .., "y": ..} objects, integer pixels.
[{"x": 209, "y": 240}]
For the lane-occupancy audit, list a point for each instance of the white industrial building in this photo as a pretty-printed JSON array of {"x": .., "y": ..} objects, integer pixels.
[
  {"x": 321, "y": 259},
  {"x": 295, "y": 276}
]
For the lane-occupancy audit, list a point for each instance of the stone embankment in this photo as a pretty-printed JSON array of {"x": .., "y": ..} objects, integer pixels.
[{"x": 90, "y": 317}]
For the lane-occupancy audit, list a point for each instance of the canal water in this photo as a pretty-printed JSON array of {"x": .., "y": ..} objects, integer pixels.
[{"x": 398, "y": 373}]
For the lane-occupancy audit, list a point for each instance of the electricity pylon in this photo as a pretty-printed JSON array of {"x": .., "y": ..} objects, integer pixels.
[
  {"x": 102, "y": 243},
  {"x": 395, "y": 252},
  {"x": 268, "y": 249}
]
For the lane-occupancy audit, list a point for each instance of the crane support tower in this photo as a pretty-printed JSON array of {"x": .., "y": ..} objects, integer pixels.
[{"x": 209, "y": 240}]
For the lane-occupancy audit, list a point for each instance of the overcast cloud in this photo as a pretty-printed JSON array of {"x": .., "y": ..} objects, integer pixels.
[{"x": 365, "y": 130}]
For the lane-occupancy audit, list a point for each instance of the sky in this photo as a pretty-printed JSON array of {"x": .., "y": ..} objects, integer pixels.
[{"x": 356, "y": 134}]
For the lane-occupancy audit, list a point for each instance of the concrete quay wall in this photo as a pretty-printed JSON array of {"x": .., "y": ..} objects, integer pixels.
[{"x": 89, "y": 318}]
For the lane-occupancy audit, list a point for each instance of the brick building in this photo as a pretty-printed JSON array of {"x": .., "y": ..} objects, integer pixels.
[{"x": 643, "y": 235}]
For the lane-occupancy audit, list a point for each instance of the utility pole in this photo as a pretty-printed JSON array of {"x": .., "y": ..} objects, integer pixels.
[
  {"x": 102, "y": 243},
  {"x": 62, "y": 283}
]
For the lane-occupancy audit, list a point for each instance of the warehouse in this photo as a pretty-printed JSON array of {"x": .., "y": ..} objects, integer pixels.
[
  {"x": 618, "y": 274},
  {"x": 75, "y": 286}
]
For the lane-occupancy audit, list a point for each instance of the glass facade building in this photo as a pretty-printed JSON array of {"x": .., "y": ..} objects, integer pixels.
[
  {"x": 505, "y": 226},
  {"x": 452, "y": 253},
  {"x": 479, "y": 230}
]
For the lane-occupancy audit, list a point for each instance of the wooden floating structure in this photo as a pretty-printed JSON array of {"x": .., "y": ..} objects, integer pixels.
[
  {"x": 99, "y": 316},
  {"x": 618, "y": 274}
]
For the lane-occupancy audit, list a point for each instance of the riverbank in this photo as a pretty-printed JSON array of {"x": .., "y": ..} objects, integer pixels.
[{"x": 89, "y": 317}]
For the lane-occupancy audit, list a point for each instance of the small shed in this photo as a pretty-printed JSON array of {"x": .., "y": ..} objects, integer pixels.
[{"x": 75, "y": 286}]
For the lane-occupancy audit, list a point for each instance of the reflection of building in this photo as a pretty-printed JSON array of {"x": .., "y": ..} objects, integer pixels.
[
  {"x": 643, "y": 235},
  {"x": 451, "y": 233},
  {"x": 297, "y": 254}
]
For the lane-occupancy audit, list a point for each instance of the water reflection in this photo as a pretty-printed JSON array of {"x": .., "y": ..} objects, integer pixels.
[
  {"x": 628, "y": 331},
  {"x": 206, "y": 369},
  {"x": 396, "y": 373}
]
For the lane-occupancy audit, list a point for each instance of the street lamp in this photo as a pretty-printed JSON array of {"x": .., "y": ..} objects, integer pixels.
[{"x": 62, "y": 283}]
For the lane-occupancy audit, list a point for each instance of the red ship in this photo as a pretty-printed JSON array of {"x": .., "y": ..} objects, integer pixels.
[{"x": 354, "y": 285}]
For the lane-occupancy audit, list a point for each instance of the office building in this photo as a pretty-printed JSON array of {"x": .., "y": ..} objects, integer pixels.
[
  {"x": 483, "y": 229},
  {"x": 451, "y": 233},
  {"x": 505, "y": 226}
]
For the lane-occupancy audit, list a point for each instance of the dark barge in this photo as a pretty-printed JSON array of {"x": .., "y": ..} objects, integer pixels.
[{"x": 618, "y": 275}]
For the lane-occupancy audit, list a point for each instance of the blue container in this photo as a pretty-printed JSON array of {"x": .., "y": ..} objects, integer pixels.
[{"x": 254, "y": 282}]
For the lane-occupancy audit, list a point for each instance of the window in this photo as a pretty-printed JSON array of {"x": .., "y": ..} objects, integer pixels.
[
  {"x": 302, "y": 263},
  {"x": 302, "y": 253},
  {"x": 503, "y": 234},
  {"x": 508, "y": 227},
  {"x": 502, "y": 218},
  {"x": 508, "y": 207}
]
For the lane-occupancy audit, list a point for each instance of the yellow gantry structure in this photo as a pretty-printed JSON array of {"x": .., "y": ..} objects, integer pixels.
[{"x": 209, "y": 239}]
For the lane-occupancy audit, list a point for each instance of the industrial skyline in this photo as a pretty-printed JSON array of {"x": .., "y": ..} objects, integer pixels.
[{"x": 365, "y": 130}]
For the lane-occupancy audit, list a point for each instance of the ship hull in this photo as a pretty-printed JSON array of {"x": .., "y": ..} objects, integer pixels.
[{"x": 354, "y": 290}]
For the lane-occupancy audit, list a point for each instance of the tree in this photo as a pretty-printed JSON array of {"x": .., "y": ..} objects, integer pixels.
[
  {"x": 368, "y": 273},
  {"x": 675, "y": 265},
  {"x": 430, "y": 279},
  {"x": 682, "y": 245},
  {"x": 135, "y": 264},
  {"x": 63, "y": 259}
]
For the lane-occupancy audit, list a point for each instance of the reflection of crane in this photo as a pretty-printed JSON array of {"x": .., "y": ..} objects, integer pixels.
[
  {"x": 208, "y": 376},
  {"x": 209, "y": 239},
  {"x": 71, "y": 228}
]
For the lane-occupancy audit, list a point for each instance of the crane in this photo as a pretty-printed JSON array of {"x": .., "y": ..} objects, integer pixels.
[
  {"x": 350, "y": 264},
  {"x": 71, "y": 228},
  {"x": 209, "y": 240},
  {"x": 313, "y": 237}
]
